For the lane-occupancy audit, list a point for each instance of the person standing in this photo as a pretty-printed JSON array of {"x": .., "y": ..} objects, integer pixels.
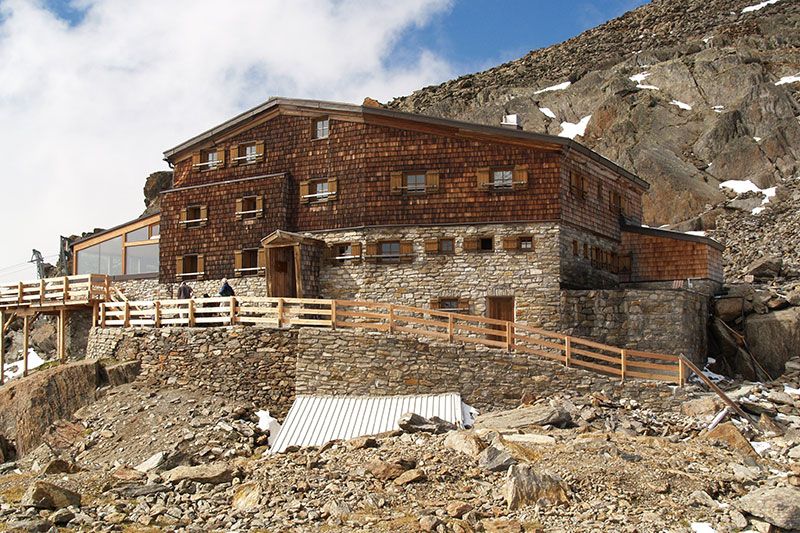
[
  {"x": 226, "y": 289},
  {"x": 184, "y": 291}
]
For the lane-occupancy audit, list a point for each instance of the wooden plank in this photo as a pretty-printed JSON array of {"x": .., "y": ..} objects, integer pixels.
[
  {"x": 540, "y": 342},
  {"x": 480, "y": 340},
  {"x": 541, "y": 353},
  {"x": 307, "y": 322},
  {"x": 421, "y": 321},
  {"x": 654, "y": 366},
  {"x": 655, "y": 377},
  {"x": 363, "y": 314},
  {"x": 595, "y": 366},
  {"x": 584, "y": 342},
  {"x": 303, "y": 312},
  {"x": 651, "y": 355},
  {"x": 598, "y": 356},
  {"x": 3, "y": 317},
  {"x": 363, "y": 325},
  {"x": 257, "y": 320},
  {"x": 538, "y": 331},
  {"x": 713, "y": 386}
]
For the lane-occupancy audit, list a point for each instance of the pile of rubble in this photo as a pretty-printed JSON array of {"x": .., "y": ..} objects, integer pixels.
[{"x": 167, "y": 459}]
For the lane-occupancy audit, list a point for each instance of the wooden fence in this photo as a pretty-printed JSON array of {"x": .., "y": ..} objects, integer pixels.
[
  {"x": 55, "y": 292},
  {"x": 441, "y": 325}
]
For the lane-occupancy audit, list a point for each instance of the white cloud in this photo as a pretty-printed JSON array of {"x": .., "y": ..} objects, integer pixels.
[{"x": 86, "y": 110}]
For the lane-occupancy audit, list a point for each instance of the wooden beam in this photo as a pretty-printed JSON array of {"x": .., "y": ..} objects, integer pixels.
[
  {"x": 25, "y": 343},
  {"x": 2, "y": 347},
  {"x": 298, "y": 270},
  {"x": 9, "y": 319},
  {"x": 62, "y": 340}
]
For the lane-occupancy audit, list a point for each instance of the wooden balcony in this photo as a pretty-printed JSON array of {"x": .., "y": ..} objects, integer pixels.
[{"x": 54, "y": 294}]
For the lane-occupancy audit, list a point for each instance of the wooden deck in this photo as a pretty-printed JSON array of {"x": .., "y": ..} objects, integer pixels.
[{"x": 424, "y": 323}]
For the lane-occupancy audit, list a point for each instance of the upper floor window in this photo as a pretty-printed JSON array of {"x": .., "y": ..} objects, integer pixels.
[
  {"x": 502, "y": 179},
  {"x": 347, "y": 250},
  {"x": 578, "y": 185},
  {"x": 416, "y": 182},
  {"x": 440, "y": 246},
  {"x": 247, "y": 153},
  {"x": 321, "y": 128},
  {"x": 249, "y": 262},
  {"x": 318, "y": 190},
  {"x": 190, "y": 266},
  {"x": 615, "y": 202},
  {"x": 194, "y": 216},
  {"x": 249, "y": 207},
  {"x": 211, "y": 159}
]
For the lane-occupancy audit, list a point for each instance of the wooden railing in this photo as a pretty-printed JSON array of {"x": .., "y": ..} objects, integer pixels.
[
  {"x": 442, "y": 325},
  {"x": 55, "y": 292}
]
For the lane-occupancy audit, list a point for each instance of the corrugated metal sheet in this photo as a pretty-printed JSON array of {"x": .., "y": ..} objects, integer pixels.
[{"x": 315, "y": 420}]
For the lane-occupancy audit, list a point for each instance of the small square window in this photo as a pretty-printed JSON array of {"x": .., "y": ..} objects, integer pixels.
[
  {"x": 190, "y": 267},
  {"x": 321, "y": 128},
  {"x": 389, "y": 252},
  {"x": 447, "y": 246},
  {"x": 344, "y": 251},
  {"x": 155, "y": 231},
  {"x": 320, "y": 191},
  {"x": 194, "y": 216},
  {"x": 210, "y": 159},
  {"x": 575, "y": 249},
  {"x": 526, "y": 243},
  {"x": 415, "y": 182},
  {"x": 486, "y": 244},
  {"x": 247, "y": 154},
  {"x": 502, "y": 179},
  {"x": 249, "y": 207},
  {"x": 449, "y": 304},
  {"x": 249, "y": 262}
]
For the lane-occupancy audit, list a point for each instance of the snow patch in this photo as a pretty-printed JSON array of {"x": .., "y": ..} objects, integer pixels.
[
  {"x": 547, "y": 112},
  {"x": 760, "y": 447},
  {"x": 718, "y": 108},
  {"x": 757, "y": 7},
  {"x": 713, "y": 376},
  {"x": 788, "y": 79},
  {"x": 757, "y": 139},
  {"x": 639, "y": 78},
  {"x": 559, "y": 87},
  {"x": 702, "y": 527},
  {"x": 743, "y": 186},
  {"x": 15, "y": 369},
  {"x": 789, "y": 390},
  {"x": 267, "y": 423},
  {"x": 650, "y": 87},
  {"x": 698, "y": 234},
  {"x": 570, "y": 130},
  {"x": 682, "y": 105}
]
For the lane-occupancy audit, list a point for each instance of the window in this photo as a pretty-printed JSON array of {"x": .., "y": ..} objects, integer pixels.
[
  {"x": 155, "y": 231},
  {"x": 575, "y": 249},
  {"x": 189, "y": 266},
  {"x": 102, "y": 258},
  {"x": 389, "y": 252},
  {"x": 414, "y": 182},
  {"x": 522, "y": 243},
  {"x": 346, "y": 251},
  {"x": 615, "y": 202},
  {"x": 440, "y": 246},
  {"x": 142, "y": 234},
  {"x": 247, "y": 153},
  {"x": 249, "y": 262},
  {"x": 321, "y": 128},
  {"x": 585, "y": 251},
  {"x": 194, "y": 216},
  {"x": 478, "y": 244},
  {"x": 141, "y": 259},
  {"x": 486, "y": 244},
  {"x": 578, "y": 184},
  {"x": 526, "y": 243},
  {"x": 318, "y": 190},
  {"x": 450, "y": 303},
  {"x": 502, "y": 179},
  {"x": 210, "y": 159},
  {"x": 249, "y": 207}
]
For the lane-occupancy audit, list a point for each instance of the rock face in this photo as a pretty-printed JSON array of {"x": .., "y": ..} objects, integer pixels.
[
  {"x": 778, "y": 506},
  {"x": 525, "y": 486},
  {"x": 774, "y": 338},
  {"x": 703, "y": 106},
  {"x": 524, "y": 418},
  {"x": 153, "y": 185},
  {"x": 213, "y": 473},
  {"x": 43, "y": 495}
]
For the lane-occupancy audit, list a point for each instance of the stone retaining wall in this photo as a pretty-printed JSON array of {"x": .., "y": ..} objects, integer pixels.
[{"x": 267, "y": 366}]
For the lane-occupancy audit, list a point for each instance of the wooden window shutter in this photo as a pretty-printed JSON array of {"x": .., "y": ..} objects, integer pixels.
[
  {"x": 234, "y": 153},
  {"x": 260, "y": 205},
  {"x": 262, "y": 259},
  {"x": 239, "y": 208},
  {"x": 260, "y": 149},
  {"x": 406, "y": 251},
  {"x": 195, "y": 160},
  {"x": 372, "y": 252},
  {"x": 221, "y": 157},
  {"x": 510, "y": 243},
  {"x": 183, "y": 215},
  {"x": 201, "y": 264},
  {"x": 470, "y": 244},
  {"x": 432, "y": 181},
  {"x": 237, "y": 262},
  {"x": 332, "y": 184},
  {"x": 178, "y": 266},
  {"x": 484, "y": 177},
  {"x": 396, "y": 182},
  {"x": 463, "y": 305},
  {"x": 434, "y": 303},
  {"x": 355, "y": 249},
  {"x": 203, "y": 214},
  {"x": 432, "y": 247},
  {"x": 305, "y": 188},
  {"x": 520, "y": 179}
]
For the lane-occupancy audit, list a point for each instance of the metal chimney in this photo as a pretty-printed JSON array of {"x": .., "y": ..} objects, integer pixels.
[{"x": 511, "y": 121}]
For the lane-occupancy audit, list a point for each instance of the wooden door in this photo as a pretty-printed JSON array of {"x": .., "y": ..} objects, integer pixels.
[
  {"x": 499, "y": 308},
  {"x": 282, "y": 282}
]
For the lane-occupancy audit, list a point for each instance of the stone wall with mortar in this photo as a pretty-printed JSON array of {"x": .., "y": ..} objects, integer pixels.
[
  {"x": 580, "y": 271},
  {"x": 250, "y": 364},
  {"x": 151, "y": 289},
  {"x": 531, "y": 277},
  {"x": 665, "y": 321}
]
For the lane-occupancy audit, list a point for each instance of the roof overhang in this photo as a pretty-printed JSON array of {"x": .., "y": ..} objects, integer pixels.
[
  {"x": 403, "y": 120},
  {"x": 279, "y": 238},
  {"x": 668, "y": 234},
  {"x": 110, "y": 233}
]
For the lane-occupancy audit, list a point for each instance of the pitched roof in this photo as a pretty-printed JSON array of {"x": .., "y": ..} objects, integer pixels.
[{"x": 497, "y": 133}]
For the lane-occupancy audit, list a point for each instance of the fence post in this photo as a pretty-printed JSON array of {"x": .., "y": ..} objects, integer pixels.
[
  {"x": 103, "y": 315},
  {"x": 2, "y": 347},
  {"x": 280, "y": 312},
  {"x": 391, "y": 319},
  {"x": 333, "y": 314},
  {"x": 95, "y": 318},
  {"x": 41, "y": 292},
  {"x": 233, "y": 310},
  {"x": 25, "y": 344},
  {"x": 510, "y": 336},
  {"x": 66, "y": 288},
  {"x": 567, "y": 350},
  {"x": 624, "y": 357},
  {"x": 191, "y": 313},
  {"x": 127, "y": 314},
  {"x": 157, "y": 310},
  {"x": 451, "y": 327},
  {"x": 107, "y": 287},
  {"x": 681, "y": 372},
  {"x": 62, "y": 340},
  {"x": 20, "y": 293}
]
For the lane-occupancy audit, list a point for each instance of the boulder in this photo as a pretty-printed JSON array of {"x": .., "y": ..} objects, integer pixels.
[
  {"x": 211, "y": 473},
  {"x": 466, "y": 442},
  {"x": 524, "y": 418},
  {"x": 457, "y": 508},
  {"x": 59, "y": 466},
  {"x": 247, "y": 497},
  {"x": 729, "y": 309},
  {"x": 779, "y": 506},
  {"x": 730, "y": 435},
  {"x": 152, "y": 462},
  {"x": 525, "y": 486},
  {"x": 29, "y": 526},
  {"x": 360, "y": 443},
  {"x": 44, "y": 495},
  {"x": 414, "y": 423},
  {"x": 707, "y": 406},
  {"x": 62, "y": 517},
  {"x": 774, "y": 338},
  {"x": 765, "y": 268},
  {"x": 389, "y": 469},
  {"x": 494, "y": 459},
  {"x": 499, "y": 525},
  {"x": 410, "y": 476}
]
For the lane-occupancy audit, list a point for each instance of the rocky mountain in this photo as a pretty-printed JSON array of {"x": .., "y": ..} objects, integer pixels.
[{"x": 686, "y": 93}]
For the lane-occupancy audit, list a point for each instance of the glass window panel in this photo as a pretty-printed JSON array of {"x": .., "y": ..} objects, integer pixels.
[
  {"x": 111, "y": 257},
  {"x": 141, "y": 259},
  {"x": 502, "y": 178},
  {"x": 415, "y": 182},
  {"x": 140, "y": 234},
  {"x": 155, "y": 230},
  {"x": 89, "y": 260}
]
